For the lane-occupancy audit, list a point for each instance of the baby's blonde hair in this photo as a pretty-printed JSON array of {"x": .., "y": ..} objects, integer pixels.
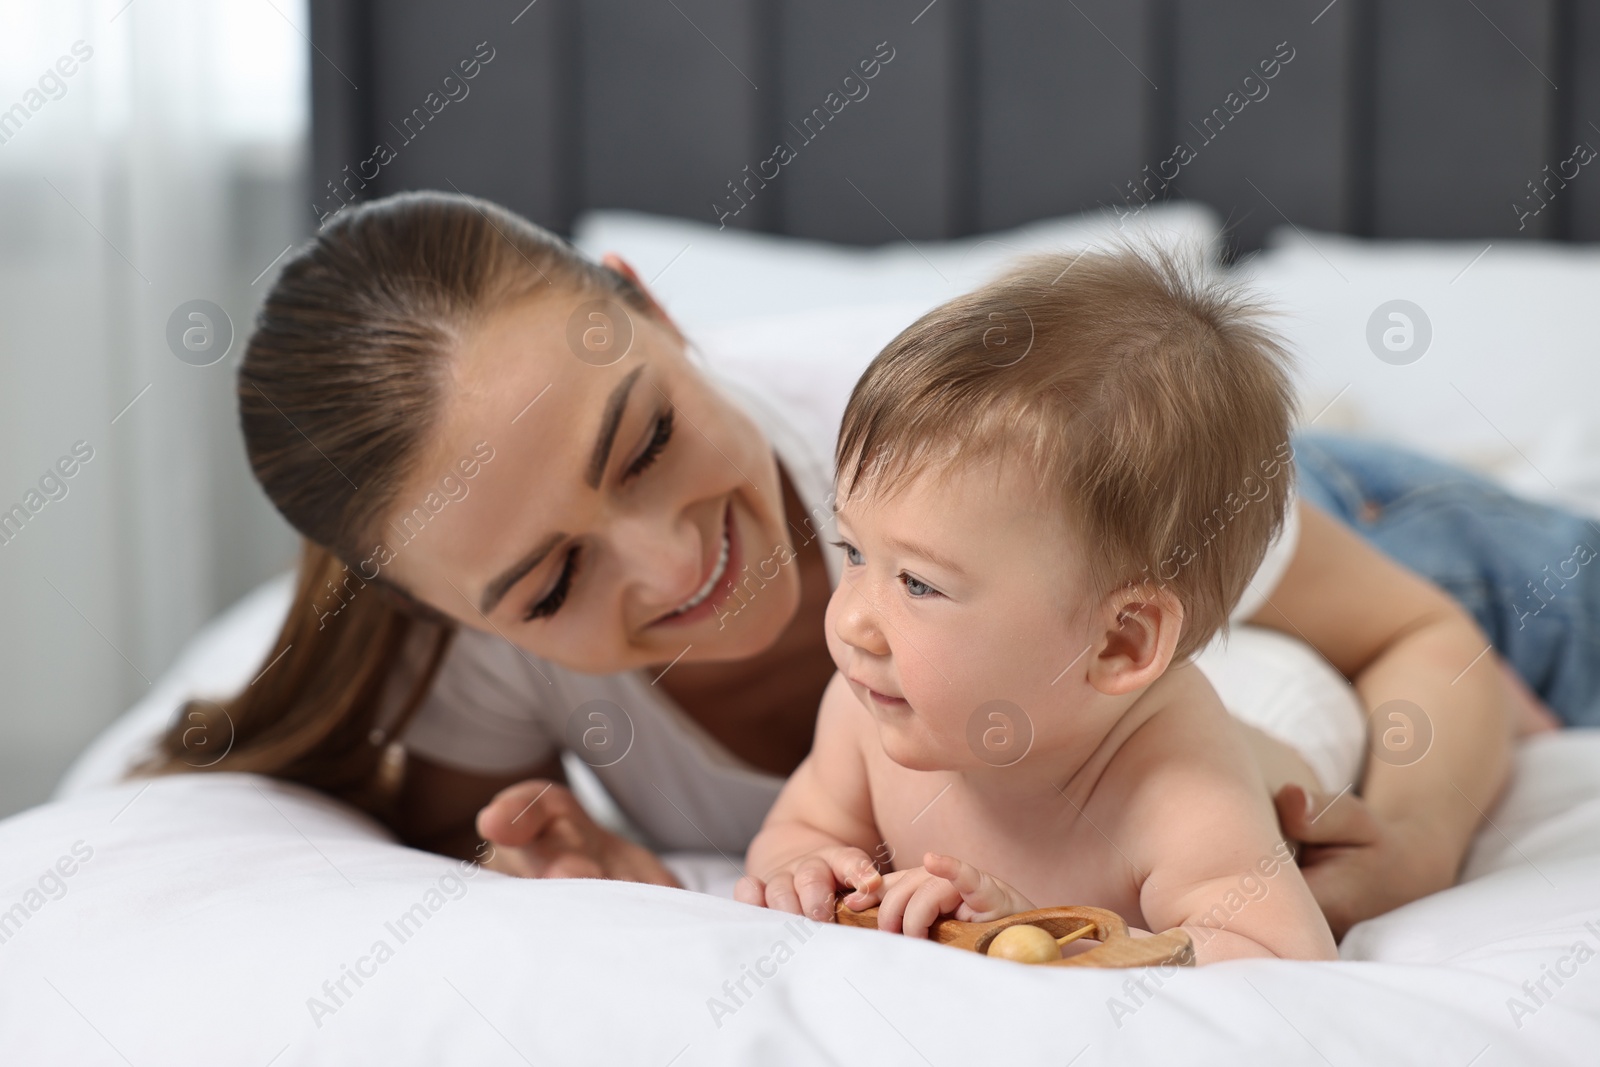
[{"x": 1146, "y": 393}]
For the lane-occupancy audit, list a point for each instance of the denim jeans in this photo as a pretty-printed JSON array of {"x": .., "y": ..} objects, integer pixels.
[{"x": 1526, "y": 571}]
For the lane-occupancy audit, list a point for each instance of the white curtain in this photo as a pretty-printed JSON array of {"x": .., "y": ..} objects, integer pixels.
[{"x": 151, "y": 155}]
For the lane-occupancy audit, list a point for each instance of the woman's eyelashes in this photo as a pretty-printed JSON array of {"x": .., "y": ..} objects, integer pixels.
[
  {"x": 551, "y": 602},
  {"x": 915, "y": 587},
  {"x": 659, "y": 436}
]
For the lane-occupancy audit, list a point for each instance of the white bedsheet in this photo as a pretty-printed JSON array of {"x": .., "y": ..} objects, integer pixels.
[{"x": 211, "y": 910}]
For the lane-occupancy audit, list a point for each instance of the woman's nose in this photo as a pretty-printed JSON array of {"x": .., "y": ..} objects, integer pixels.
[
  {"x": 663, "y": 558},
  {"x": 856, "y": 621}
]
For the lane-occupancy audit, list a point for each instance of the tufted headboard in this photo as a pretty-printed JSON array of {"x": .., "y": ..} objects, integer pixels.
[{"x": 864, "y": 121}]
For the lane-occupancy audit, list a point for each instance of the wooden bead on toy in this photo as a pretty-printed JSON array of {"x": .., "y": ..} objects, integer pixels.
[
  {"x": 1025, "y": 944},
  {"x": 1116, "y": 949}
]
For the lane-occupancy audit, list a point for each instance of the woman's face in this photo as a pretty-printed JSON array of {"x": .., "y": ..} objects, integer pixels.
[{"x": 617, "y": 505}]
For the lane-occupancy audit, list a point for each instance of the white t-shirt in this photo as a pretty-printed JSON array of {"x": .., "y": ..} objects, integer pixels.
[{"x": 495, "y": 708}]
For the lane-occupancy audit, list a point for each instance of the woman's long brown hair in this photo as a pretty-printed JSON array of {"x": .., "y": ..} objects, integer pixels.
[{"x": 339, "y": 389}]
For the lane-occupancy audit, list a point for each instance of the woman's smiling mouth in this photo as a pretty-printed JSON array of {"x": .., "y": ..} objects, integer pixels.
[{"x": 717, "y": 586}]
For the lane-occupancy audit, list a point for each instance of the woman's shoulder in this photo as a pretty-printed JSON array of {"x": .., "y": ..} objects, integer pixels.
[
  {"x": 802, "y": 366},
  {"x": 807, "y": 361},
  {"x": 803, "y": 444},
  {"x": 801, "y": 427}
]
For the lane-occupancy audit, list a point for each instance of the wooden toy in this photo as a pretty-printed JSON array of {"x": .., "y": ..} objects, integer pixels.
[{"x": 1057, "y": 927}]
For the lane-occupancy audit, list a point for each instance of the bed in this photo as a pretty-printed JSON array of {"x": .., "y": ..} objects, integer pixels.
[
  {"x": 229, "y": 919},
  {"x": 213, "y": 920}
]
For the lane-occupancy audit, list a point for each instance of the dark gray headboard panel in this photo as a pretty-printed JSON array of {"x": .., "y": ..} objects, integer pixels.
[{"x": 1395, "y": 118}]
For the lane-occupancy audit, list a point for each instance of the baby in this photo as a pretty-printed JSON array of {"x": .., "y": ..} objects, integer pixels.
[{"x": 1014, "y": 705}]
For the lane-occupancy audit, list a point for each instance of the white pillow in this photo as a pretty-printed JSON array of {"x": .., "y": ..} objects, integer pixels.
[
  {"x": 1509, "y": 376},
  {"x": 705, "y": 276}
]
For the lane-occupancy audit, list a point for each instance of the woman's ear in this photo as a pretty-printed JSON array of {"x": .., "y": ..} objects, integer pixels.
[
  {"x": 1137, "y": 634},
  {"x": 624, "y": 268}
]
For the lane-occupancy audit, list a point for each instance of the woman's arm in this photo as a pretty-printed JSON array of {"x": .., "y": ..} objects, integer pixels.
[{"x": 1396, "y": 636}]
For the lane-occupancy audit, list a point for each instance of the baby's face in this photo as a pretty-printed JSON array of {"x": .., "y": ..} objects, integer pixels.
[{"x": 961, "y": 589}]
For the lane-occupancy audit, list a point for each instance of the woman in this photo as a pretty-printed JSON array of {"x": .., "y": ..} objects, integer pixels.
[{"x": 533, "y": 525}]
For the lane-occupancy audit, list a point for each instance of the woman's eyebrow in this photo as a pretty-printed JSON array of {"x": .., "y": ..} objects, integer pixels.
[{"x": 616, "y": 403}]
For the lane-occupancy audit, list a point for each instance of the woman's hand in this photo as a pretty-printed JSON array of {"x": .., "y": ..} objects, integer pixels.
[
  {"x": 539, "y": 830},
  {"x": 1358, "y": 864},
  {"x": 807, "y": 886},
  {"x": 913, "y": 900},
  {"x": 1396, "y": 636}
]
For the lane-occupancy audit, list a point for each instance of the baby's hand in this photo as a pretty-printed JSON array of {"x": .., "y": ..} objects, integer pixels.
[
  {"x": 807, "y": 885},
  {"x": 944, "y": 885}
]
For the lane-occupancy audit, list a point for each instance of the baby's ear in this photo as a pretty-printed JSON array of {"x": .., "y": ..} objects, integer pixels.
[{"x": 1135, "y": 635}]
